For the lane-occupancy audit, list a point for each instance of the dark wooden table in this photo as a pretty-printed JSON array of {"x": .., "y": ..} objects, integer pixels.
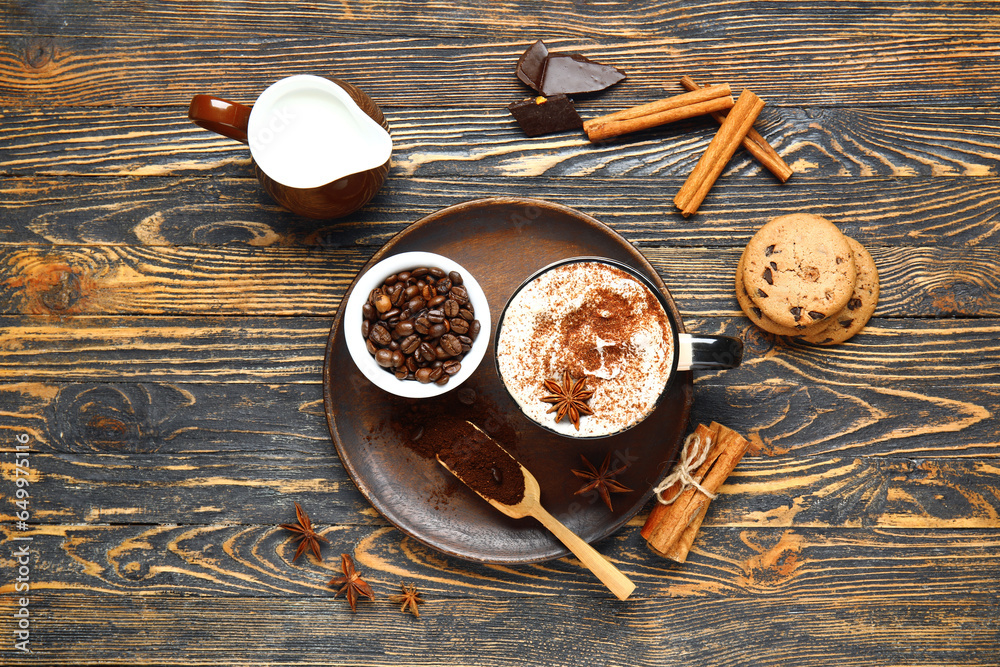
[{"x": 164, "y": 324}]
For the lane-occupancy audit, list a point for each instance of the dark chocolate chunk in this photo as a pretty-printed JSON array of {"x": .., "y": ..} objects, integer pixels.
[
  {"x": 545, "y": 115},
  {"x": 768, "y": 250},
  {"x": 573, "y": 74},
  {"x": 768, "y": 277},
  {"x": 531, "y": 64},
  {"x": 796, "y": 312},
  {"x": 816, "y": 315},
  {"x": 761, "y": 293}
]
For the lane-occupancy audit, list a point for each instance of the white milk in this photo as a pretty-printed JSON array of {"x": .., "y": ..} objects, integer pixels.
[{"x": 306, "y": 131}]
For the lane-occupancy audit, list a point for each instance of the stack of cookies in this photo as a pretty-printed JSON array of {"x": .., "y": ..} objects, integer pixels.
[{"x": 799, "y": 276}]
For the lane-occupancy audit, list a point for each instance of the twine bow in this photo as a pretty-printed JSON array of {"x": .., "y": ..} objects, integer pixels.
[{"x": 693, "y": 455}]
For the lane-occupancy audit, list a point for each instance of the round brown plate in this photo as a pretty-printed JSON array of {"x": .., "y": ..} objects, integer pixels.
[{"x": 501, "y": 242}]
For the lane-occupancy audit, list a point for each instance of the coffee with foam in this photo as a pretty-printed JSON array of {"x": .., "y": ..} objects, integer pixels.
[{"x": 593, "y": 320}]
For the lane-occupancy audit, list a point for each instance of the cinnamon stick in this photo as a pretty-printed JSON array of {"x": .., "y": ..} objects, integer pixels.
[
  {"x": 678, "y": 107},
  {"x": 753, "y": 142},
  {"x": 663, "y": 516},
  {"x": 735, "y": 446},
  {"x": 725, "y": 142},
  {"x": 670, "y": 529}
]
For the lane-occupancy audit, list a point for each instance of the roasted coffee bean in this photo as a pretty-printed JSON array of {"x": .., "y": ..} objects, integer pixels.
[
  {"x": 425, "y": 352},
  {"x": 396, "y": 295},
  {"x": 410, "y": 344},
  {"x": 474, "y": 329},
  {"x": 443, "y": 380},
  {"x": 415, "y": 324},
  {"x": 383, "y": 358},
  {"x": 451, "y": 345},
  {"x": 382, "y": 302},
  {"x": 380, "y": 335}
]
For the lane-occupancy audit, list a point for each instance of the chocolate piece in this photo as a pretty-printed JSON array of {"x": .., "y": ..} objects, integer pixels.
[
  {"x": 531, "y": 64},
  {"x": 541, "y": 115},
  {"x": 573, "y": 74}
]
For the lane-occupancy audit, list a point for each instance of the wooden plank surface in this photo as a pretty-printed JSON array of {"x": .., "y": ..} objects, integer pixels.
[{"x": 163, "y": 327}]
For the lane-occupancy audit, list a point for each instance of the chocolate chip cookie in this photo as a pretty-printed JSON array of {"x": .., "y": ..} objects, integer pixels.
[
  {"x": 860, "y": 306},
  {"x": 759, "y": 318},
  {"x": 799, "y": 270}
]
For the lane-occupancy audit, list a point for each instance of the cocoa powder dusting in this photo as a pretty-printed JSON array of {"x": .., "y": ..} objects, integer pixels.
[{"x": 477, "y": 459}]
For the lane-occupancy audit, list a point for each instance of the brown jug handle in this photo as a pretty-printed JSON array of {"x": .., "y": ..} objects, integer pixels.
[{"x": 230, "y": 119}]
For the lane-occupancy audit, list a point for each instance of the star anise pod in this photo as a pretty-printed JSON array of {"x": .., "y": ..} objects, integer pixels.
[
  {"x": 409, "y": 599},
  {"x": 351, "y": 584},
  {"x": 568, "y": 398},
  {"x": 602, "y": 480},
  {"x": 309, "y": 538}
]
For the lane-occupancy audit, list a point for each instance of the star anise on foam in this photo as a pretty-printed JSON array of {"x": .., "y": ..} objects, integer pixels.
[
  {"x": 309, "y": 538},
  {"x": 602, "y": 480},
  {"x": 409, "y": 599},
  {"x": 351, "y": 584},
  {"x": 568, "y": 399}
]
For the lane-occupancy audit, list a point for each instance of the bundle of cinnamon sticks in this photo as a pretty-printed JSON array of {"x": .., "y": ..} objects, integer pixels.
[
  {"x": 671, "y": 526},
  {"x": 736, "y": 121}
]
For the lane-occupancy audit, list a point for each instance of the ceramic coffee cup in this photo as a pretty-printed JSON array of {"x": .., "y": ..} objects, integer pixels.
[
  {"x": 320, "y": 146},
  {"x": 601, "y": 321}
]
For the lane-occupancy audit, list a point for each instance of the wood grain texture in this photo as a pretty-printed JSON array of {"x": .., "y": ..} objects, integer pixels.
[
  {"x": 163, "y": 326},
  {"x": 732, "y": 563},
  {"x": 112, "y": 69},
  {"x": 633, "y": 19},
  {"x": 951, "y": 212},
  {"x": 275, "y": 280},
  {"x": 881, "y": 629},
  {"x": 853, "y": 142},
  {"x": 246, "y": 349}
]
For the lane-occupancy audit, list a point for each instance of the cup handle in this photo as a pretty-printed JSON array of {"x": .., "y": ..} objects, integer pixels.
[
  {"x": 708, "y": 353},
  {"x": 230, "y": 119}
]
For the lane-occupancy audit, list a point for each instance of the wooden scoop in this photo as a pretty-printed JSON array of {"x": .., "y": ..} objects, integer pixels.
[{"x": 530, "y": 505}]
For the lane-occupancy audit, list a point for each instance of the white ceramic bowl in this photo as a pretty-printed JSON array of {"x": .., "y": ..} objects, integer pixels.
[{"x": 365, "y": 362}]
